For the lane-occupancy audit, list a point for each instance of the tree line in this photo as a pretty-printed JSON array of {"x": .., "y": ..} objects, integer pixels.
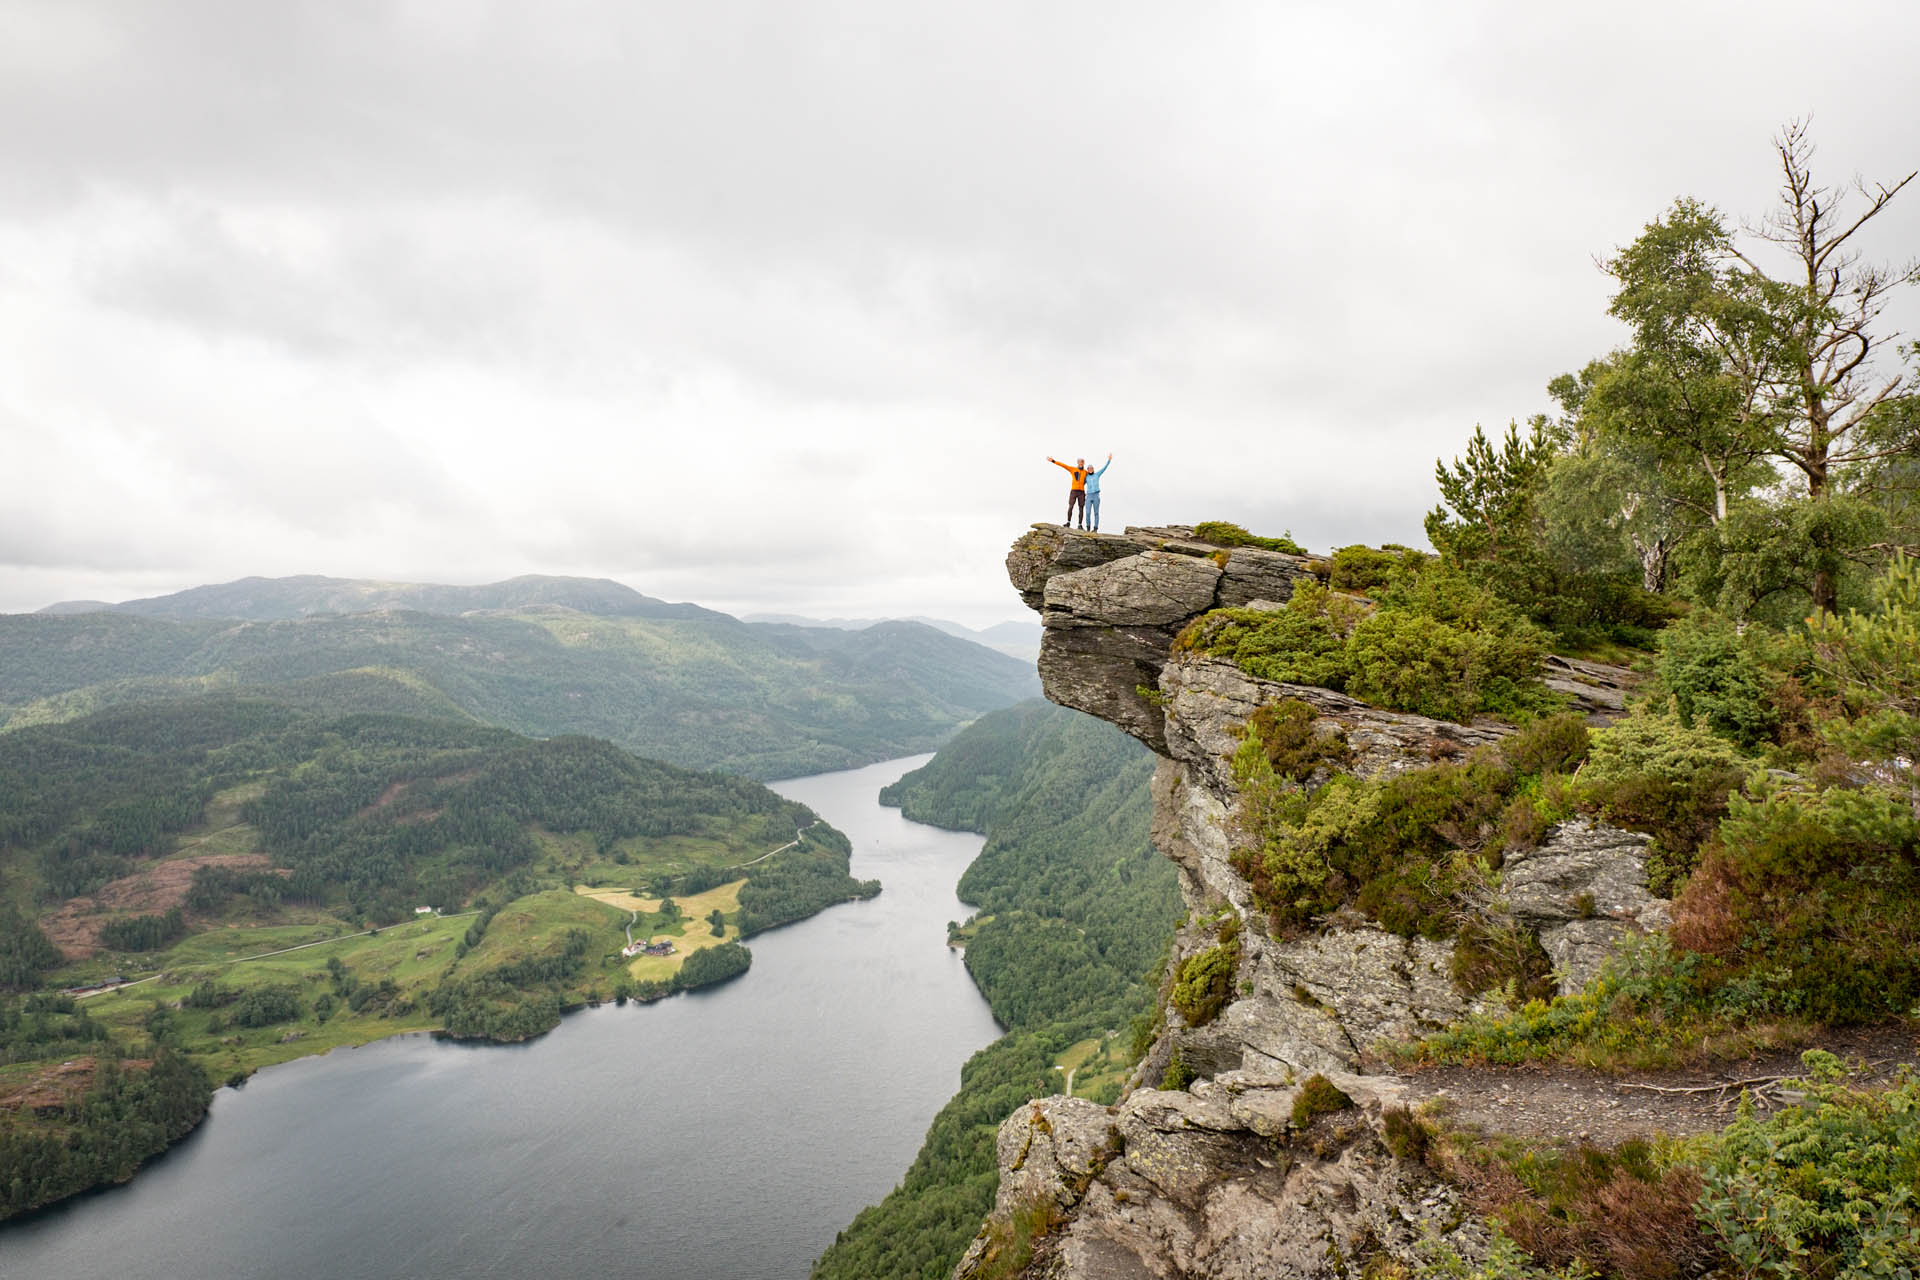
[
  {"x": 1753, "y": 447},
  {"x": 129, "y": 1109}
]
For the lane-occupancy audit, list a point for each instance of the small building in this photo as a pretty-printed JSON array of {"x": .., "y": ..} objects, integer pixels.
[{"x": 423, "y": 911}]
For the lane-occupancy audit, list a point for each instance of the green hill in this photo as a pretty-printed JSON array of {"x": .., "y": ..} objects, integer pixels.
[
  {"x": 365, "y": 815},
  {"x": 704, "y": 692},
  {"x": 253, "y": 882}
]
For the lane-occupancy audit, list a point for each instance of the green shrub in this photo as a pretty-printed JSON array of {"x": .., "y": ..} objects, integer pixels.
[
  {"x": 1412, "y": 899},
  {"x": 1413, "y": 662},
  {"x": 1647, "y": 998},
  {"x": 1651, "y": 744},
  {"x": 1288, "y": 733},
  {"x": 1289, "y": 865},
  {"x": 1427, "y": 814},
  {"x": 1224, "y": 534},
  {"x": 1822, "y": 1189},
  {"x": 1303, "y": 643},
  {"x": 1652, "y": 773},
  {"x": 1178, "y": 1074},
  {"x": 1816, "y": 899},
  {"x": 1363, "y": 568},
  {"x": 1404, "y": 1133},
  {"x": 1203, "y": 983},
  {"x": 1537, "y": 806},
  {"x": 1437, "y": 646},
  {"x": 1723, "y": 681},
  {"x": 1656, "y": 1004},
  {"x": 1399, "y": 848},
  {"x": 1318, "y": 1096},
  {"x": 1551, "y": 744},
  {"x": 1504, "y": 1260}
]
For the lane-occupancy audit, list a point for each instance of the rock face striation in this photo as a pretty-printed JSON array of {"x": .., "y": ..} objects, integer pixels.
[{"x": 1225, "y": 1179}]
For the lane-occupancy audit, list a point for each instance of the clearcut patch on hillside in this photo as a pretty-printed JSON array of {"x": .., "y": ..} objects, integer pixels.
[{"x": 74, "y": 926}]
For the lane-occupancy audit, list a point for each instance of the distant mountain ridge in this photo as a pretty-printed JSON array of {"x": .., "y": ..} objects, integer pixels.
[
  {"x": 307, "y": 595},
  {"x": 541, "y": 656},
  {"x": 1016, "y": 639}
]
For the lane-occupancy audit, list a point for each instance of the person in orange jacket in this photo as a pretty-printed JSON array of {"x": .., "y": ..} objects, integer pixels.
[{"x": 1077, "y": 495}]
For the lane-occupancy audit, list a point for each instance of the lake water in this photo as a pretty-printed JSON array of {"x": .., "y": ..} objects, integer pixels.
[{"x": 725, "y": 1135}]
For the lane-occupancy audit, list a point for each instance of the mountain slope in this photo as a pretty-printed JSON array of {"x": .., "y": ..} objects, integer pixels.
[
  {"x": 273, "y": 599},
  {"x": 705, "y": 692},
  {"x": 1014, "y": 638}
]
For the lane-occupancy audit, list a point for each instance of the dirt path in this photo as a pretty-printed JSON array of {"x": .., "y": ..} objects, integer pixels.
[
  {"x": 782, "y": 849},
  {"x": 1568, "y": 1102}
]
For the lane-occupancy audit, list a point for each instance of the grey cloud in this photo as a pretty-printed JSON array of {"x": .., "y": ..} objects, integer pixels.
[{"x": 457, "y": 289}]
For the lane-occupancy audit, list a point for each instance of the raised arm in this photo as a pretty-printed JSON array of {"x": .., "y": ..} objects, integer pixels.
[
  {"x": 1056, "y": 462},
  {"x": 1103, "y": 466}
]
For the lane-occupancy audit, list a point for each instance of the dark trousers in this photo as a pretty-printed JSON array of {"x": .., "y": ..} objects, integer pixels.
[{"x": 1077, "y": 498}]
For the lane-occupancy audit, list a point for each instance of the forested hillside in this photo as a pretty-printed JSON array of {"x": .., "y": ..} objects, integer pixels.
[
  {"x": 1075, "y": 909},
  {"x": 701, "y": 691},
  {"x": 367, "y": 814},
  {"x": 254, "y": 881}
]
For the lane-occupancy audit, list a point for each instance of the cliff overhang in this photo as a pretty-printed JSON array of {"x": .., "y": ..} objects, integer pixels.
[{"x": 1203, "y": 1181}]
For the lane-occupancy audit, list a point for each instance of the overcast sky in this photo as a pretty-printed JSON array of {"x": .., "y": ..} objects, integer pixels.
[{"x": 779, "y": 305}]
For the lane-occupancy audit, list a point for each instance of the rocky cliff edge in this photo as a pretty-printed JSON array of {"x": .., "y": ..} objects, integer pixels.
[{"x": 1235, "y": 1176}]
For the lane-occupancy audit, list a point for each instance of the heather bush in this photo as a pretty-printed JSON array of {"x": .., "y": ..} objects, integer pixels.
[
  {"x": 1288, "y": 733},
  {"x": 1819, "y": 894},
  {"x": 1626, "y": 1213},
  {"x": 1223, "y": 533},
  {"x": 1318, "y": 1096},
  {"x": 1437, "y": 645},
  {"x": 1401, "y": 848},
  {"x": 1551, "y": 744},
  {"x": 1364, "y": 568},
  {"x": 1289, "y": 863},
  {"x": 1490, "y": 955}
]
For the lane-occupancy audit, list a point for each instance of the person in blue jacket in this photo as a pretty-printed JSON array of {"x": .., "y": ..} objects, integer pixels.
[{"x": 1093, "y": 496}]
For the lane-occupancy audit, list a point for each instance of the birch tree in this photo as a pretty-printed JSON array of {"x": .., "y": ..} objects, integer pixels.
[{"x": 1812, "y": 372}]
